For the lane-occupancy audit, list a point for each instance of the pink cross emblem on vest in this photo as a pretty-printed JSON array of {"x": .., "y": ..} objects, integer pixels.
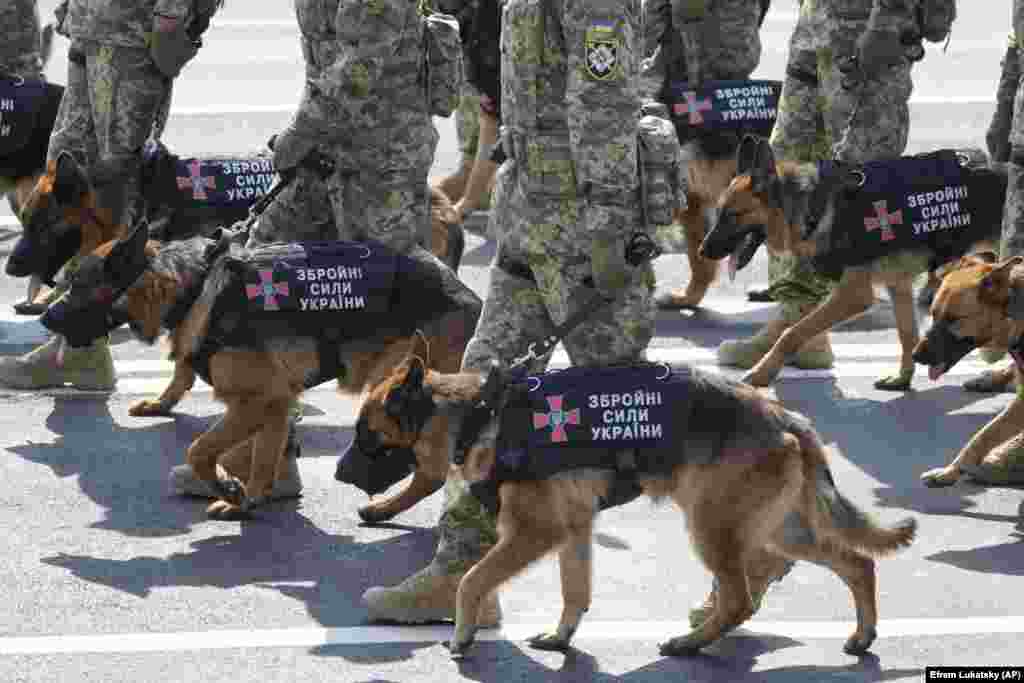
[
  {"x": 268, "y": 289},
  {"x": 884, "y": 220},
  {"x": 557, "y": 419},
  {"x": 693, "y": 107},
  {"x": 197, "y": 181}
]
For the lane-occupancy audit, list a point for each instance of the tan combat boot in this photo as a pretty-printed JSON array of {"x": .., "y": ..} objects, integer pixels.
[
  {"x": 89, "y": 368},
  {"x": 467, "y": 532}
]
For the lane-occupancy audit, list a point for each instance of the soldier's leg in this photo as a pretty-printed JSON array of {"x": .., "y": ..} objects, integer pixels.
[
  {"x": 467, "y": 135},
  {"x": 798, "y": 135},
  {"x": 301, "y": 212},
  {"x": 391, "y": 209}
]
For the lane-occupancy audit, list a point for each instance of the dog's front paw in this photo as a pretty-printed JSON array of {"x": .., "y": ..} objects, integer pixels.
[
  {"x": 550, "y": 641},
  {"x": 373, "y": 514},
  {"x": 225, "y": 510},
  {"x": 149, "y": 408},
  {"x": 858, "y": 643},
  {"x": 682, "y": 646},
  {"x": 459, "y": 649},
  {"x": 940, "y": 477}
]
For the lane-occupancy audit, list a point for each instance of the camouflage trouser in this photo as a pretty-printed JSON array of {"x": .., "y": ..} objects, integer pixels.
[
  {"x": 518, "y": 311},
  {"x": 302, "y": 212},
  {"x": 1012, "y": 243},
  {"x": 467, "y": 125},
  {"x": 109, "y": 107},
  {"x": 819, "y": 119},
  {"x": 393, "y": 209}
]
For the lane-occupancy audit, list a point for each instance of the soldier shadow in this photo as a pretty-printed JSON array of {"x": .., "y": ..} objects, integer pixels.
[
  {"x": 732, "y": 659},
  {"x": 707, "y": 328},
  {"x": 1002, "y": 558},
  {"x": 894, "y": 441},
  {"x": 123, "y": 468}
]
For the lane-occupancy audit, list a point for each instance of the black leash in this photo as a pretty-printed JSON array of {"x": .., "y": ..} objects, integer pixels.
[
  {"x": 641, "y": 249},
  {"x": 322, "y": 165}
]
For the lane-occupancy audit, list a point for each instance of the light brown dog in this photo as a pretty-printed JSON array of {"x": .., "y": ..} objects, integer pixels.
[
  {"x": 764, "y": 493},
  {"x": 773, "y": 199},
  {"x": 706, "y": 180},
  {"x": 969, "y": 311},
  {"x": 138, "y": 282}
]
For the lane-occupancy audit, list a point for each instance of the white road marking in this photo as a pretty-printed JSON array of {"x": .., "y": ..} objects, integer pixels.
[{"x": 654, "y": 631}]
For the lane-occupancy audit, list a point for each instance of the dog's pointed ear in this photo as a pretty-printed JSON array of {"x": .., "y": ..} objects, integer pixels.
[
  {"x": 128, "y": 255},
  {"x": 420, "y": 347},
  {"x": 69, "y": 182},
  {"x": 746, "y": 155},
  {"x": 494, "y": 384},
  {"x": 764, "y": 163},
  {"x": 411, "y": 385}
]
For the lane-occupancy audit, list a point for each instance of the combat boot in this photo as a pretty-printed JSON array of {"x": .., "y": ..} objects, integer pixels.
[
  {"x": 1004, "y": 466},
  {"x": 90, "y": 368},
  {"x": 466, "y": 532},
  {"x": 745, "y": 353}
]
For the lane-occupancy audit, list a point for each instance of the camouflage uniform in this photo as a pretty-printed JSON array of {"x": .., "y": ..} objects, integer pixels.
[
  {"x": 570, "y": 108},
  {"x": 819, "y": 119},
  {"x": 364, "y": 59},
  {"x": 1013, "y": 216},
  {"x": 302, "y": 211},
  {"x": 19, "y": 49},
  {"x": 114, "y": 95}
]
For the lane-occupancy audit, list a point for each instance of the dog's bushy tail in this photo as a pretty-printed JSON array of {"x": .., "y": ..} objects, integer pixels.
[{"x": 837, "y": 518}]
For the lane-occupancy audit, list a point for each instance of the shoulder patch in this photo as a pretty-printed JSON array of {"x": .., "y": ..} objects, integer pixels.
[{"x": 602, "y": 51}]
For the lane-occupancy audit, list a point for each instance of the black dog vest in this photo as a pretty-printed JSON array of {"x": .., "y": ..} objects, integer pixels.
[
  {"x": 931, "y": 202},
  {"x": 28, "y": 109},
  {"x": 329, "y": 291},
  {"x": 627, "y": 420},
  {"x": 727, "y": 109}
]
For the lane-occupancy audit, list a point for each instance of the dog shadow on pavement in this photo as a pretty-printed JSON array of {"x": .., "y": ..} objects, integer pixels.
[
  {"x": 893, "y": 441},
  {"x": 732, "y": 659}
]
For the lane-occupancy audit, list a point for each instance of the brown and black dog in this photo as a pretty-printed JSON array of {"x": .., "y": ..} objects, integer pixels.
[
  {"x": 978, "y": 303},
  {"x": 181, "y": 287},
  {"x": 762, "y": 491},
  {"x": 773, "y": 202}
]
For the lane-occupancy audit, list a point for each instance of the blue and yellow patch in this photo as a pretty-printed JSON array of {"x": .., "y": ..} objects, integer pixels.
[{"x": 602, "y": 45}]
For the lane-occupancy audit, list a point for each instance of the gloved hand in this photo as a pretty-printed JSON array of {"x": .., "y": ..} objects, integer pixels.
[
  {"x": 997, "y": 138},
  {"x": 60, "y": 13},
  {"x": 879, "y": 48},
  {"x": 611, "y": 228},
  {"x": 170, "y": 46},
  {"x": 290, "y": 148}
]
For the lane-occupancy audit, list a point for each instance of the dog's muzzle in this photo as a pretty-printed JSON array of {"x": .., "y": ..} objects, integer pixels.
[
  {"x": 81, "y": 326},
  {"x": 29, "y": 257},
  {"x": 374, "y": 471},
  {"x": 941, "y": 349}
]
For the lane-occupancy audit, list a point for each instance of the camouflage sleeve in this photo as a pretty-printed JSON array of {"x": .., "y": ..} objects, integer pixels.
[
  {"x": 602, "y": 45},
  {"x": 173, "y": 8}
]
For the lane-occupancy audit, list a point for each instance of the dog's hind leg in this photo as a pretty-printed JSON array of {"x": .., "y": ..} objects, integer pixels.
[
  {"x": 902, "y": 295},
  {"x": 574, "y": 562},
  {"x": 235, "y": 426},
  {"x": 268, "y": 446},
  {"x": 182, "y": 381},
  {"x": 856, "y": 570}
]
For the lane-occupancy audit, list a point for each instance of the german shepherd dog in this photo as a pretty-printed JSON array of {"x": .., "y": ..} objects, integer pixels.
[
  {"x": 763, "y": 489},
  {"x": 20, "y": 169},
  {"x": 772, "y": 203},
  {"x": 61, "y": 217},
  {"x": 141, "y": 282},
  {"x": 979, "y": 303}
]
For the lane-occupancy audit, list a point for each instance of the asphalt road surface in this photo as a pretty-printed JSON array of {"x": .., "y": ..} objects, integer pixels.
[{"x": 107, "y": 577}]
